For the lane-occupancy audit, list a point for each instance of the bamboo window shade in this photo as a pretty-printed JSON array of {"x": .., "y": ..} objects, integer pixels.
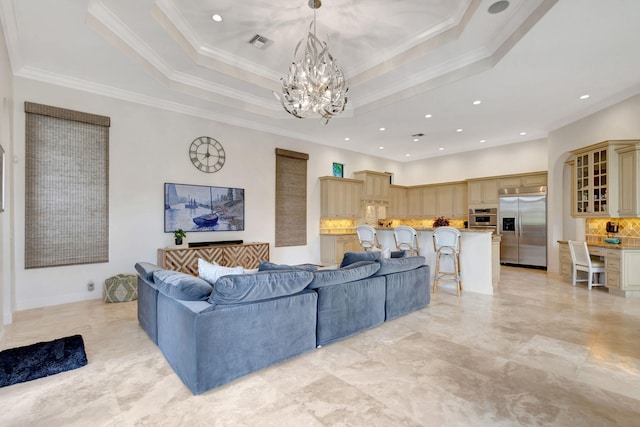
[
  {"x": 67, "y": 187},
  {"x": 291, "y": 198}
]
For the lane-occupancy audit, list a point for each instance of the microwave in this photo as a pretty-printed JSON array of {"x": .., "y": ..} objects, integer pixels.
[{"x": 485, "y": 217}]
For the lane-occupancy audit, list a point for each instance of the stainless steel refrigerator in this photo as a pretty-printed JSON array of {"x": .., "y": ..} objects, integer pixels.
[{"x": 522, "y": 222}]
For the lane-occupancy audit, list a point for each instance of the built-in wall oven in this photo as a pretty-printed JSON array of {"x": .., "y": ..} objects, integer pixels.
[{"x": 483, "y": 217}]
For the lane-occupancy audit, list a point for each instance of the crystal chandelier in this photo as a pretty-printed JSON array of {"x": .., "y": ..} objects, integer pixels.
[{"x": 315, "y": 85}]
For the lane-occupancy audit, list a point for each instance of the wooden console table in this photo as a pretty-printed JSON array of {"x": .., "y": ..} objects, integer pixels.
[{"x": 185, "y": 260}]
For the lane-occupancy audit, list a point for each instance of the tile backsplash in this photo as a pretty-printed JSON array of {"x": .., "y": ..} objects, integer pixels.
[{"x": 628, "y": 230}]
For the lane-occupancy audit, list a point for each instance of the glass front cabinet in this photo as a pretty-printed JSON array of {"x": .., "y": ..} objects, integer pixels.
[{"x": 596, "y": 181}]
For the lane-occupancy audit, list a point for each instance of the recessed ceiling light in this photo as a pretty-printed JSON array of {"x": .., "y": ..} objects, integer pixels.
[
  {"x": 477, "y": 102},
  {"x": 498, "y": 6},
  {"x": 407, "y": 155},
  {"x": 427, "y": 116},
  {"x": 382, "y": 129},
  {"x": 523, "y": 133},
  {"x": 216, "y": 17},
  {"x": 585, "y": 96},
  {"x": 441, "y": 149},
  {"x": 458, "y": 130},
  {"x": 381, "y": 148},
  {"x": 416, "y": 139},
  {"x": 347, "y": 139},
  {"x": 483, "y": 140}
]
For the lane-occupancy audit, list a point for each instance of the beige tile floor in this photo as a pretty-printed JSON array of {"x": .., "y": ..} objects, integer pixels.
[{"x": 539, "y": 352}]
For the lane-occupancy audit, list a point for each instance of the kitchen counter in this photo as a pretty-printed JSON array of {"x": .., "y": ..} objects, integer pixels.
[
  {"x": 475, "y": 257},
  {"x": 603, "y": 244}
]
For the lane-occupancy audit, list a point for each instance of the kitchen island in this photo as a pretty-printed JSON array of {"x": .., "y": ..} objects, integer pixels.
[{"x": 476, "y": 261}]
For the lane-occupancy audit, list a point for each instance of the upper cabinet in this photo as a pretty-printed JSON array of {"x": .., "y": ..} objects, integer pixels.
[
  {"x": 525, "y": 180},
  {"x": 376, "y": 186},
  {"x": 629, "y": 165},
  {"x": 432, "y": 201},
  {"x": 340, "y": 197},
  {"x": 595, "y": 185},
  {"x": 398, "y": 202},
  {"x": 483, "y": 193},
  {"x": 597, "y": 180}
]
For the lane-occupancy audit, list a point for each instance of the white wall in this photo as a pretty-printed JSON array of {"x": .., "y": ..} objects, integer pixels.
[
  {"x": 620, "y": 121},
  {"x": 6, "y": 96},
  {"x": 523, "y": 157},
  {"x": 149, "y": 147}
]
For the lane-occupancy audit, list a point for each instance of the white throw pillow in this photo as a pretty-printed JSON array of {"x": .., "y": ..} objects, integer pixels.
[
  {"x": 386, "y": 253},
  {"x": 212, "y": 272}
]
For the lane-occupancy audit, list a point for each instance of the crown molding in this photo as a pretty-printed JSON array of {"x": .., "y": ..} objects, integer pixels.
[
  {"x": 209, "y": 56},
  {"x": 11, "y": 34}
]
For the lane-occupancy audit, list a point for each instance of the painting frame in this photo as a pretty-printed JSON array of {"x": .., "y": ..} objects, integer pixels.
[
  {"x": 338, "y": 170},
  {"x": 203, "y": 208}
]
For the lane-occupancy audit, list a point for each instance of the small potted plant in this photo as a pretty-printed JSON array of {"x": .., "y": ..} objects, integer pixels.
[
  {"x": 442, "y": 221},
  {"x": 179, "y": 234}
]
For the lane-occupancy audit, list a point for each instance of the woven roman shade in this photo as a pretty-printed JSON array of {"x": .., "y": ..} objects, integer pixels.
[
  {"x": 291, "y": 198},
  {"x": 67, "y": 187}
]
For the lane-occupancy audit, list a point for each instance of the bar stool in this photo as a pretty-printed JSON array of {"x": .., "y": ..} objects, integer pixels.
[
  {"x": 406, "y": 239},
  {"x": 446, "y": 243},
  {"x": 368, "y": 237}
]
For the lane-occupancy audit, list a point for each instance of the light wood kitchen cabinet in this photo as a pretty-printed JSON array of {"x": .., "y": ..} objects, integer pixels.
[
  {"x": 628, "y": 167},
  {"x": 429, "y": 202},
  {"x": 483, "y": 192},
  {"x": 451, "y": 200},
  {"x": 340, "y": 197},
  {"x": 398, "y": 203},
  {"x": 524, "y": 180},
  {"x": 334, "y": 246},
  {"x": 414, "y": 202},
  {"x": 595, "y": 182},
  {"x": 622, "y": 268},
  {"x": 375, "y": 186}
]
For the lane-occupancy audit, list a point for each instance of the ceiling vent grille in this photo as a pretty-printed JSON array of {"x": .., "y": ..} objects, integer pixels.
[{"x": 260, "y": 42}]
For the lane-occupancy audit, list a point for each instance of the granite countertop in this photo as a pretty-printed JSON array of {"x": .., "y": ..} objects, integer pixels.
[
  {"x": 603, "y": 244},
  {"x": 464, "y": 230}
]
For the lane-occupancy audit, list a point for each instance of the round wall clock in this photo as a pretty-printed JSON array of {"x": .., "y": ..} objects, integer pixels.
[{"x": 207, "y": 154}]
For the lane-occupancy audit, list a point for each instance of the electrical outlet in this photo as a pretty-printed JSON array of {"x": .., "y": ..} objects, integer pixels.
[{"x": 90, "y": 286}]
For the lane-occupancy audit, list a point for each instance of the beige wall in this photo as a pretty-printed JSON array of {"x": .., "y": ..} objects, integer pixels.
[{"x": 529, "y": 156}]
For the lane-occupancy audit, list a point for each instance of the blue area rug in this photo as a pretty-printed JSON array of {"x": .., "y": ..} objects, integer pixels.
[{"x": 39, "y": 360}]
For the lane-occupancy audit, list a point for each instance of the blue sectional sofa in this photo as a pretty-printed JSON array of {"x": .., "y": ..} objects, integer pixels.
[{"x": 212, "y": 334}]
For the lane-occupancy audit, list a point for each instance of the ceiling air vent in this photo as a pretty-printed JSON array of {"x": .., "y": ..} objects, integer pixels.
[{"x": 260, "y": 42}]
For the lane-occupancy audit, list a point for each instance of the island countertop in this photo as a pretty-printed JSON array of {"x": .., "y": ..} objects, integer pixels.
[{"x": 475, "y": 257}]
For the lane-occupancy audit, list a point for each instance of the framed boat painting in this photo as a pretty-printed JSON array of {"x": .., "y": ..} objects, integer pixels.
[{"x": 196, "y": 208}]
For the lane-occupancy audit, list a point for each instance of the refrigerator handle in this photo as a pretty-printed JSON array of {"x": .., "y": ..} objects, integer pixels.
[{"x": 518, "y": 226}]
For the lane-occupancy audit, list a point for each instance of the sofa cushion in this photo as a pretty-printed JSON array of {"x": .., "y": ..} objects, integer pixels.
[
  {"x": 352, "y": 272},
  {"x": 398, "y": 254},
  {"x": 212, "y": 272},
  {"x": 269, "y": 266},
  {"x": 146, "y": 269},
  {"x": 182, "y": 286},
  {"x": 351, "y": 257},
  {"x": 396, "y": 265},
  {"x": 263, "y": 285}
]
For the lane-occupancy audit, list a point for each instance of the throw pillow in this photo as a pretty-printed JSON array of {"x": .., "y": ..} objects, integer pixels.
[
  {"x": 267, "y": 266},
  {"x": 181, "y": 286},
  {"x": 351, "y": 257},
  {"x": 211, "y": 273}
]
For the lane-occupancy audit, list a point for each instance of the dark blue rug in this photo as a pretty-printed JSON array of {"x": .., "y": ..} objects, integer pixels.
[{"x": 39, "y": 360}]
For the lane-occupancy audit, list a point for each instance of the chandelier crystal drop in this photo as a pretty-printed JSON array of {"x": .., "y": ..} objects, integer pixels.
[{"x": 315, "y": 85}]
